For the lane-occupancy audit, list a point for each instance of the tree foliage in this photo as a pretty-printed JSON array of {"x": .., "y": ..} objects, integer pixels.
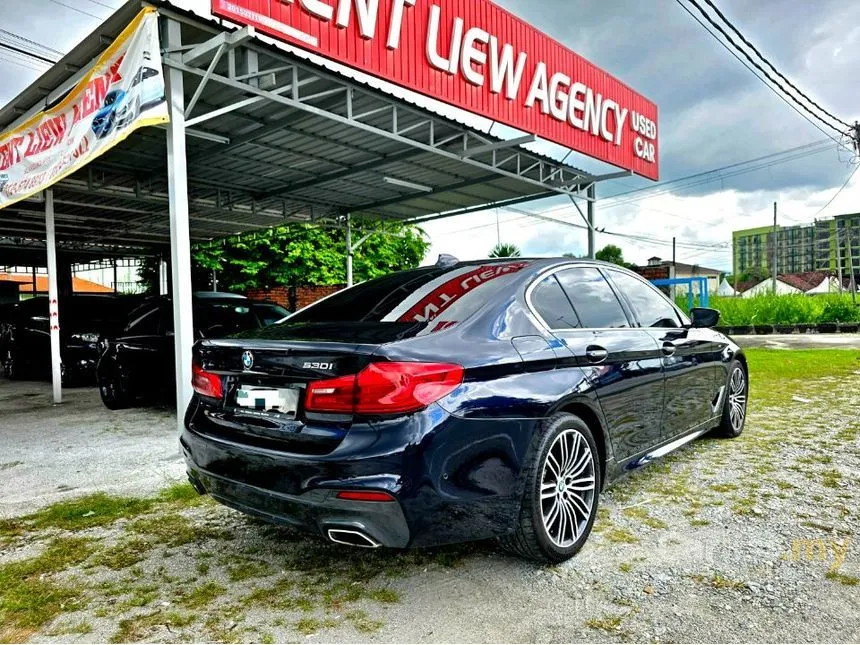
[
  {"x": 301, "y": 254},
  {"x": 614, "y": 254},
  {"x": 502, "y": 250}
]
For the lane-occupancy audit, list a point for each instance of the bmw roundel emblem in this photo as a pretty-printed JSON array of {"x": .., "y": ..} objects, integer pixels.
[{"x": 247, "y": 360}]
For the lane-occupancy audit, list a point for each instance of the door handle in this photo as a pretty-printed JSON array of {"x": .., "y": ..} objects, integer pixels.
[
  {"x": 669, "y": 348},
  {"x": 596, "y": 354}
]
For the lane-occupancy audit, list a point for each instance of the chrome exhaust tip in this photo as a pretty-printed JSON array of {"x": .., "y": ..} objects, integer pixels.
[{"x": 351, "y": 537}]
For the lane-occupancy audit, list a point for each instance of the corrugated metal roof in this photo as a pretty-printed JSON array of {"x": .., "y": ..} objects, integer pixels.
[{"x": 281, "y": 164}]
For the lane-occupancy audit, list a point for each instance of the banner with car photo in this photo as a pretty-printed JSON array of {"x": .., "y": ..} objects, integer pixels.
[{"x": 123, "y": 91}]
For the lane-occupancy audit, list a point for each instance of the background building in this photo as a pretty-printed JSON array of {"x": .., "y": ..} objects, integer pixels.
[
  {"x": 799, "y": 249},
  {"x": 681, "y": 270}
]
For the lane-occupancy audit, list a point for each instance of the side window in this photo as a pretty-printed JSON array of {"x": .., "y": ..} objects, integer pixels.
[
  {"x": 651, "y": 308},
  {"x": 592, "y": 298},
  {"x": 144, "y": 325},
  {"x": 552, "y": 305}
]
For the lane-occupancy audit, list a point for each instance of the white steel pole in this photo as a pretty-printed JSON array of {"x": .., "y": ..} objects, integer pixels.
[
  {"x": 180, "y": 237},
  {"x": 349, "y": 251},
  {"x": 53, "y": 304}
]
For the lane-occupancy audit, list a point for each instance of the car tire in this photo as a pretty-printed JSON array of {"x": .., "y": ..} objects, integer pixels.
[
  {"x": 558, "y": 513},
  {"x": 113, "y": 392},
  {"x": 734, "y": 402}
]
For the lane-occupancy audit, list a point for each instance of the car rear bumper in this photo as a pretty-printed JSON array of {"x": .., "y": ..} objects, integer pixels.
[
  {"x": 317, "y": 511},
  {"x": 454, "y": 480}
]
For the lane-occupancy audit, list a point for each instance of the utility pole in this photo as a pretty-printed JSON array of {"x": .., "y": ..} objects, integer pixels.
[
  {"x": 775, "y": 245},
  {"x": 852, "y": 281},
  {"x": 592, "y": 196},
  {"x": 839, "y": 258}
]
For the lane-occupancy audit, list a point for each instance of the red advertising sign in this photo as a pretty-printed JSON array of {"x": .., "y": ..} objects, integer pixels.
[{"x": 476, "y": 56}]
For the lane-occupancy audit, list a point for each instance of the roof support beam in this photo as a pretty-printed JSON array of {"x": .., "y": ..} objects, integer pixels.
[
  {"x": 499, "y": 145},
  {"x": 546, "y": 169}
]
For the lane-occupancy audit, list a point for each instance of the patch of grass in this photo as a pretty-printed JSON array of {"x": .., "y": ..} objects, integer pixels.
[
  {"x": 29, "y": 598},
  {"x": 849, "y": 434},
  {"x": 182, "y": 493},
  {"x": 173, "y": 529},
  {"x": 246, "y": 568},
  {"x": 79, "y": 628},
  {"x": 308, "y": 626},
  {"x": 816, "y": 459},
  {"x": 122, "y": 555},
  {"x": 625, "y": 567},
  {"x": 698, "y": 521},
  {"x": 201, "y": 595},
  {"x": 608, "y": 623},
  {"x": 831, "y": 478},
  {"x": 719, "y": 581},
  {"x": 362, "y": 622},
  {"x": 842, "y": 578},
  {"x": 202, "y": 567},
  {"x": 388, "y": 596},
  {"x": 86, "y": 512},
  {"x": 620, "y": 536},
  {"x": 724, "y": 488},
  {"x": 641, "y": 514}
]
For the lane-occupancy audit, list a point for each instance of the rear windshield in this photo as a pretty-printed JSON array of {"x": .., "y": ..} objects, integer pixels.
[
  {"x": 224, "y": 318},
  {"x": 444, "y": 296},
  {"x": 269, "y": 314}
]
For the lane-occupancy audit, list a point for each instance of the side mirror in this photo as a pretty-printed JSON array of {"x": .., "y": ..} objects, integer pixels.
[{"x": 704, "y": 318}]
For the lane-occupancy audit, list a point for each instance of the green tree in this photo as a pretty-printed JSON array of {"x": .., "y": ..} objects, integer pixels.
[
  {"x": 612, "y": 253},
  {"x": 301, "y": 254},
  {"x": 502, "y": 250}
]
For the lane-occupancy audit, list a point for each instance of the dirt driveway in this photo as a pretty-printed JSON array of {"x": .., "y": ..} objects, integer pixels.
[{"x": 749, "y": 540}]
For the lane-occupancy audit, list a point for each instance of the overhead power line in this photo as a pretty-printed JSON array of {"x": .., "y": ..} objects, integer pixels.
[
  {"x": 791, "y": 103},
  {"x": 83, "y": 11},
  {"x": 30, "y": 42},
  {"x": 31, "y": 54},
  {"x": 755, "y": 64},
  {"x": 838, "y": 192},
  {"x": 770, "y": 65}
]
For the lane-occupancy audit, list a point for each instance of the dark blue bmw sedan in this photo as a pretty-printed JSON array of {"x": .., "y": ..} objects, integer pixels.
[{"x": 459, "y": 402}]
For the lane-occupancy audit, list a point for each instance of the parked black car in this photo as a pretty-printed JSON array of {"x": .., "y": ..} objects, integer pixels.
[
  {"x": 138, "y": 362},
  {"x": 456, "y": 403},
  {"x": 83, "y": 319}
]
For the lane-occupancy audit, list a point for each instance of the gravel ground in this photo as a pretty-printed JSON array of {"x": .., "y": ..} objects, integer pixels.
[
  {"x": 52, "y": 452},
  {"x": 710, "y": 544}
]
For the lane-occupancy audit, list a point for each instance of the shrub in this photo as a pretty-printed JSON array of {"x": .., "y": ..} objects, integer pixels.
[{"x": 790, "y": 309}]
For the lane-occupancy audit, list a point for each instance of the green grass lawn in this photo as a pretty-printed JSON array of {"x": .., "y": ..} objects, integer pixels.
[{"x": 777, "y": 374}]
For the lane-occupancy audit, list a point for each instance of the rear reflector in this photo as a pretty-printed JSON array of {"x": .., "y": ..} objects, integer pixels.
[
  {"x": 365, "y": 496},
  {"x": 385, "y": 388},
  {"x": 206, "y": 383}
]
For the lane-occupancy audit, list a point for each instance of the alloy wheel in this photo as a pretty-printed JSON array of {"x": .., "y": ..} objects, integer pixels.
[
  {"x": 737, "y": 399},
  {"x": 567, "y": 488}
]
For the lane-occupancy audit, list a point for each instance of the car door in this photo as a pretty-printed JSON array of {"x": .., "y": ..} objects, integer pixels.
[
  {"x": 622, "y": 363},
  {"x": 140, "y": 348},
  {"x": 690, "y": 356}
]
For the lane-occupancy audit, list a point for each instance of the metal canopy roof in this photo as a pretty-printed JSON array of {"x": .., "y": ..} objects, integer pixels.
[{"x": 273, "y": 137}]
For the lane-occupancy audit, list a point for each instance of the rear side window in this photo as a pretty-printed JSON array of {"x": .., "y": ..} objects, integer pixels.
[
  {"x": 435, "y": 295},
  {"x": 593, "y": 299},
  {"x": 552, "y": 305},
  {"x": 224, "y": 318},
  {"x": 650, "y": 306},
  {"x": 144, "y": 322}
]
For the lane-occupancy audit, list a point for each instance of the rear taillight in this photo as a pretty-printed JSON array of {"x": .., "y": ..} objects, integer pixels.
[
  {"x": 206, "y": 383},
  {"x": 365, "y": 496},
  {"x": 385, "y": 388}
]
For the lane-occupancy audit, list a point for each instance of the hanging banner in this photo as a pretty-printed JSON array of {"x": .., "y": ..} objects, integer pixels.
[
  {"x": 122, "y": 92},
  {"x": 476, "y": 56}
]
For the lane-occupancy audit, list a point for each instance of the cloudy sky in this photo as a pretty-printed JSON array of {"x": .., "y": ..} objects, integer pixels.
[{"x": 713, "y": 113}]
